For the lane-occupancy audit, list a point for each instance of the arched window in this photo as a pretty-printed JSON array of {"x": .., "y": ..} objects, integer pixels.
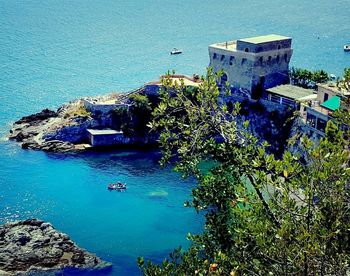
[
  {"x": 278, "y": 58},
  {"x": 285, "y": 57},
  {"x": 232, "y": 59},
  {"x": 260, "y": 60},
  {"x": 222, "y": 57},
  {"x": 244, "y": 60},
  {"x": 279, "y": 46},
  {"x": 214, "y": 56},
  {"x": 246, "y": 50},
  {"x": 223, "y": 79}
]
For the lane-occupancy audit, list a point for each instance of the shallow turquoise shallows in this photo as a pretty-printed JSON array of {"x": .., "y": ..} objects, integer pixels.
[{"x": 55, "y": 51}]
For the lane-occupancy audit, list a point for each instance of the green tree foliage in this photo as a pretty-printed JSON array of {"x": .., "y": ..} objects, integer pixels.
[
  {"x": 342, "y": 115},
  {"x": 140, "y": 102},
  {"x": 308, "y": 79},
  {"x": 344, "y": 83},
  {"x": 121, "y": 119},
  {"x": 141, "y": 114},
  {"x": 264, "y": 216},
  {"x": 133, "y": 121}
]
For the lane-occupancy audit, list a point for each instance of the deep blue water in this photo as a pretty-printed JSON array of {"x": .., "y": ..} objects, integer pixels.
[{"x": 57, "y": 50}]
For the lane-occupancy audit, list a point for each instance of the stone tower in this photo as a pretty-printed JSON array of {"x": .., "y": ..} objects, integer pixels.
[{"x": 254, "y": 64}]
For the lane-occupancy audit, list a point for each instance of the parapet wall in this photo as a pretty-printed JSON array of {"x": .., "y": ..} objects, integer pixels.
[
  {"x": 95, "y": 107},
  {"x": 264, "y": 47}
]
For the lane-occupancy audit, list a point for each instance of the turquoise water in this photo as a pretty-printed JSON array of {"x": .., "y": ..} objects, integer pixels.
[
  {"x": 56, "y": 51},
  {"x": 147, "y": 219}
]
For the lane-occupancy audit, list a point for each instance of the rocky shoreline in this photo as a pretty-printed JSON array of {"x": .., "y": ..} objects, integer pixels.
[
  {"x": 30, "y": 130},
  {"x": 34, "y": 246},
  {"x": 65, "y": 130}
]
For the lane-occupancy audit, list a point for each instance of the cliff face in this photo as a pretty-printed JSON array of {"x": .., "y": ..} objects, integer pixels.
[
  {"x": 267, "y": 121},
  {"x": 35, "y": 246}
]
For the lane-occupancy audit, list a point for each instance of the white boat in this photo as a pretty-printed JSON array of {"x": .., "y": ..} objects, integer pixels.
[
  {"x": 117, "y": 186},
  {"x": 347, "y": 48},
  {"x": 176, "y": 51}
]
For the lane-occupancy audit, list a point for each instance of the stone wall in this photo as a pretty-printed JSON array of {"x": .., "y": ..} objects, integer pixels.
[
  {"x": 108, "y": 140},
  {"x": 267, "y": 120},
  {"x": 151, "y": 89},
  {"x": 94, "y": 107},
  {"x": 264, "y": 47}
]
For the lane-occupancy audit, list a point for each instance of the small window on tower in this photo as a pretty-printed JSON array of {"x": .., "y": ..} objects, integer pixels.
[{"x": 232, "y": 59}]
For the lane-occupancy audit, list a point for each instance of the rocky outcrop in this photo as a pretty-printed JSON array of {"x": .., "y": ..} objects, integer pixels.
[
  {"x": 65, "y": 130},
  {"x": 43, "y": 115},
  {"x": 53, "y": 131},
  {"x": 35, "y": 246}
]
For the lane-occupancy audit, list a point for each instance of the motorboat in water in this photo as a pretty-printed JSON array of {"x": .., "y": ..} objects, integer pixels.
[
  {"x": 117, "y": 186},
  {"x": 347, "y": 48},
  {"x": 176, "y": 51}
]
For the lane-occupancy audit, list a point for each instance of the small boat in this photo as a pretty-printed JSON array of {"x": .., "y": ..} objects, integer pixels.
[
  {"x": 176, "y": 51},
  {"x": 347, "y": 48},
  {"x": 117, "y": 186}
]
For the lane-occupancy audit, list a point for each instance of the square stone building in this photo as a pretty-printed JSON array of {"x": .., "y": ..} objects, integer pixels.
[{"x": 254, "y": 64}]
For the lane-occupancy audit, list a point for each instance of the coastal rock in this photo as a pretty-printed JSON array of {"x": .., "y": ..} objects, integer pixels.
[
  {"x": 66, "y": 129},
  {"x": 35, "y": 246},
  {"x": 40, "y": 116},
  {"x": 56, "y": 146}
]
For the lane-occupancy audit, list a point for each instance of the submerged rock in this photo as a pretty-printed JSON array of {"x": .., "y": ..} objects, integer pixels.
[
  {"x": 158, "y": 194},
  {"x": 35, "y": 246}
]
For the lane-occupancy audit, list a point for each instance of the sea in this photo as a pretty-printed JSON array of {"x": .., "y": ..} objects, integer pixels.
[{"x": 55, "y": 51}]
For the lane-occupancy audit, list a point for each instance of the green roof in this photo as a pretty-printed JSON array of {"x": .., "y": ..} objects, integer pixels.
[
  {"x": 264, "y": 38},
  {"x": 332, "y": 104},
  {"x": 292, "y": 92}
]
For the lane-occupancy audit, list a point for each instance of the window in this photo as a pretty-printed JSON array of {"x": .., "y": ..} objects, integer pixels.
[
  {"x": 288, "y": 102},
  {"x": 325, "y": 97},
  {"x": 223, "y": 79},
  {"x": 321, "y": 125},
  {"x": 214, "y": 56},
  {"x": 275, "y": 98},
  {"x": 261, "y": 60},
  {"x": 269, "y": 59},
  {"x": 244, "y": 60},
  {"x": 311, "y": 120},
  {"x": 232, "y": 59},
  {"x": 278, "y": 58},
  {"x": 285, "y": 57},
  {"x": 279, "y": 46},
  {"x": 222, "y": 57},
  {"x": 246, "y": 50}
]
